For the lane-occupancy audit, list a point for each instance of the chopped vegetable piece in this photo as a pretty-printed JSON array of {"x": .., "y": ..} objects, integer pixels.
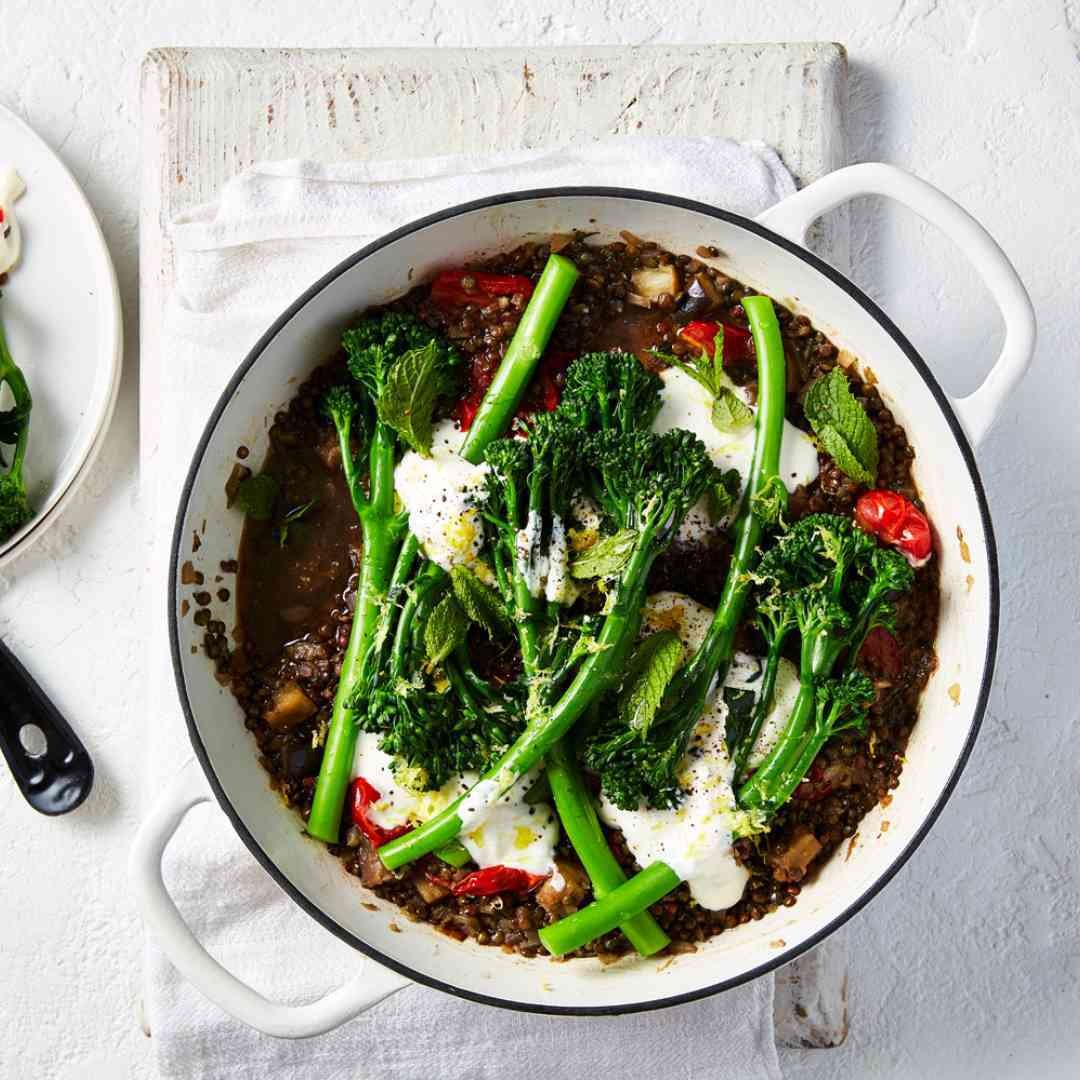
[
  {"x": 653, "y": 282},
  {"x": 363, "y": 796},
  {"x": 454, "y": 854},
  {"x": 897, "y": 521},
  {"x": 474, "y": 287},
  {"x": 497, "y": 879},
  {"x": 881, "y": 653},
  {"x": 702, "y": 335},
  {"x": 288, "y": 707}
]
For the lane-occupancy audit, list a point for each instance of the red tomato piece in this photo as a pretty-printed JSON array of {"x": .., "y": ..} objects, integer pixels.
[
  {"x": 362, "y": 796},
  {"x": 496, "y": 879},
  {"x": 702, "y": 335},
  {"x": 457, "y": 287},
  {"x": 896, "y": 521}
]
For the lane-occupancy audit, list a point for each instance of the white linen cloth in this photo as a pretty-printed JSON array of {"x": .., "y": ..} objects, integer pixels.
[{"x": 239, "y": 262}]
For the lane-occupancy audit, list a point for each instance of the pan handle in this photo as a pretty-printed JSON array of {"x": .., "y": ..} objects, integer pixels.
[
  {"x": 794, "y": 215},
  {"x": 189, "y": 957}
]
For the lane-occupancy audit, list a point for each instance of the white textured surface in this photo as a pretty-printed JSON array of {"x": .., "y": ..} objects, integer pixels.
[{"x": 969, "y": 964}]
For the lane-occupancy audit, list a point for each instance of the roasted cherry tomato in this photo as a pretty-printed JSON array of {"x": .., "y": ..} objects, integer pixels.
[
  {"x": 497, "y": 879},
  {"x": 702, "y": 335},
  {"x": 473, "y": 287},
  {"x": 896, "y": 521},
  {"x": 362, "y": 796}
]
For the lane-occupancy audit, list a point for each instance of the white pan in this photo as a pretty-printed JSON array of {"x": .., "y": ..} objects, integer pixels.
[{"x": 767, "y": 254}]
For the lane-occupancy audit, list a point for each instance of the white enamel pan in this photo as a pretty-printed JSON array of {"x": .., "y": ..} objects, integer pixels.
[{"x": 768, "y": 254}]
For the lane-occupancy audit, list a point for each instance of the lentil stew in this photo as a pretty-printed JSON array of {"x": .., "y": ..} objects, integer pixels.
[{"x": 298, "y": 570}]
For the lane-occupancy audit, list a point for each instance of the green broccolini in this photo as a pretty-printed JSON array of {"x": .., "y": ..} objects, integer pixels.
[
  {"x": 15, "y": 508},
  {"x": 399, "y": 367},
  {"x": 827, "y": 579}
]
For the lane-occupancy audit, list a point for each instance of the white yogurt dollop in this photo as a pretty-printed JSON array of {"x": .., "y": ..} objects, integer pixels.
[
  {"x": 685, "y": 403},
  {"x": 695, "y": 839},
  {"x": 441, "y": 494},
  {"x": 503, "y": 831},
  {"x": 11, "y": 187}
]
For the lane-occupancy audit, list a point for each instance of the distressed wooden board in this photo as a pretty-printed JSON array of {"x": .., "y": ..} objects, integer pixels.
[{"x": 207, "y": 114}]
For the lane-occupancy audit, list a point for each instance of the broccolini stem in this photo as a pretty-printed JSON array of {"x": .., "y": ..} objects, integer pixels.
[
  {"x": 614, "y": 909},
  {"x": 582, "y": 828},
  {"x": 522, "y": 356},
  {"x": 763, "y": 790},
  {"x": 479, "y": 685},
  {"x": 424, "y": 583},
  {"x": 376, "y": 567},
  {"x": 761, "y": 709},
  {"x": 714, "y": 657}
]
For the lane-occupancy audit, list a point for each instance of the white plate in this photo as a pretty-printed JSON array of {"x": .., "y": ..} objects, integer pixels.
[{"x": 61, "y": 311}]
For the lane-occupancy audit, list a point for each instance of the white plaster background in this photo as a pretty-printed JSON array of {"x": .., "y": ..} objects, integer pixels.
[{"x": 969, "y": 964}]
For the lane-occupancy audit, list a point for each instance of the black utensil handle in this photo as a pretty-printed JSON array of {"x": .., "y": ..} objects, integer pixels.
[{"x": 51, "y": 766}]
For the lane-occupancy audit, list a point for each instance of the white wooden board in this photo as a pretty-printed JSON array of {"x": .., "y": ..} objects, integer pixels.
[{"x": 207, "y": 114}]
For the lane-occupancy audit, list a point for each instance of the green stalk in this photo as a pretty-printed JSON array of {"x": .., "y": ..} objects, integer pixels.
[
  {"x": 376, "y": 566},
  {"x": 770, "y": 797},
  {"x": 546, "y": 727},
  {"x": 616, "y": 908},
  {"x": 757, "y": 792},
  {"x": 761, "y": 709},
  {"x": 582, "y": 828},
  {"x": 479, "y": 685},
  {"x": 454, "y": 854},
  {"x": 522, "y": 356},
  {"x": 710, "y": 663},
  {"x": 425, "y": 582}
]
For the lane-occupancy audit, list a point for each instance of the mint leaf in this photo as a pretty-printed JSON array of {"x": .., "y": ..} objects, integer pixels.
[
  {"x": 836, "y": 446},
  {"x": 407, "y": 400},
  {"x": 843, "y": 429},
  {"x": 729, "y": 412},
  {"x": 651, "y": 668},
  {"x": 607, "y": 557},
  {"x": 445, "y": 630},
  {"x": 255, "y": 496},
  {"x": 480, "y": 603},
  {"x": 771, "y": 502},
  {"x": 723, "y": 496}
]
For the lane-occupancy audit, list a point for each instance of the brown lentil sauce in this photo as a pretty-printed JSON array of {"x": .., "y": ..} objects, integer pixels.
[{"x": 295, "y": 600}]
